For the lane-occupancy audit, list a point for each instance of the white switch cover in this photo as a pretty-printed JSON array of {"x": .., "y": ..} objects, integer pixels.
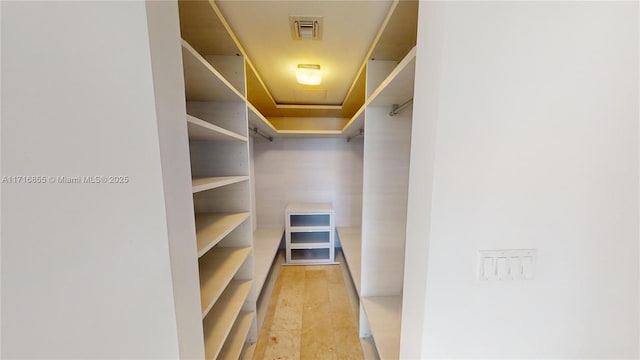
[{"x": 504, "y": 265}]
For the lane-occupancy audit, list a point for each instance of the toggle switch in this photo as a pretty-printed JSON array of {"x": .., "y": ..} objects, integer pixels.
[
  {"x": 515, "y": 265},
  {"x": 502, "y": 268},
  {"x": 487, "y": 268},
  {"x": 527, "y": 267}
]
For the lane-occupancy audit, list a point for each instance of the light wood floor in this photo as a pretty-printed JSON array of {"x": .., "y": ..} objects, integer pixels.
[{"x": 309, "y": 317}]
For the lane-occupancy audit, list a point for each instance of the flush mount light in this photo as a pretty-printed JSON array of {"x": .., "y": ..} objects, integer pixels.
[{"x": 309, "y": 74}]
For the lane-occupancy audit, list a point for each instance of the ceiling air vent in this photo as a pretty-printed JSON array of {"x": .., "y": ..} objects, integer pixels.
[{"x": 305, "y": 27}]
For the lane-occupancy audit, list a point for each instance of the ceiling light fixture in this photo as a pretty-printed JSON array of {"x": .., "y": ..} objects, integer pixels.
[{"x": 309, "y": 74}]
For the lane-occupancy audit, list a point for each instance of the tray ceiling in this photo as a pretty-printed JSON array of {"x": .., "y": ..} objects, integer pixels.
[{"x": 348, "y": 29}]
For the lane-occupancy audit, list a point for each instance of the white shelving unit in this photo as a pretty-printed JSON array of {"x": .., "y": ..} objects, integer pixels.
[
  {"x": 217, "y": 122},
  {"x": 309, "y": 233},
  {"x": 384, "y": 202},
  {"x": 381, "y": 236}
]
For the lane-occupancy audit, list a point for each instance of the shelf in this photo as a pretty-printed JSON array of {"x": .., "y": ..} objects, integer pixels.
[
  {"x": 311, "y": 133},
  {"x": 309, "y": 208},
  {"x": 217, "y": 325},
  {"x": 384, "y": 315},
  {"x": 206, "y": 183},
  {"x": 350, "y": 239},
  {"x": 213, "y": 227},
  {"x": 217, "y": 269},
  {"x": 202, "y": 130},
  {"x": 237, "y": 337},
  {"x": 266, "y": 242},
  {"x": 256, "y": 119},
  {"x": 352, "y": 128},
  {"x": 203, "y": 82},
  {"x": 397, "y": 88}
]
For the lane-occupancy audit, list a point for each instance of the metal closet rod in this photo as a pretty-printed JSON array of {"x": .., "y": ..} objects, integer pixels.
[
  {"x": 256, "y": 132},
  {"x": 397, "y": 108},
  {"x": 359, "y": 133}
]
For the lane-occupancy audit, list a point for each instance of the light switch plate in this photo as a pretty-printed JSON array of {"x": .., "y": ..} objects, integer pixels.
[{"x": 506, "y": 265}]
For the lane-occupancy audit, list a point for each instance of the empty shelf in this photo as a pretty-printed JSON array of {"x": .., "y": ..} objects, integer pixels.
[
  {"x": 265, "y": 246},
  {"x": 217, "y": 269},
  {"x": 309, "y": 208},
  {"x": 397, "y": 88},
  {"x": 384, "y": 314},
  {"x": 202, "y": 130},
  {"x": 213, "y": 227},
  {"x": 217, "y": 325},
  {"x": 207, "y": 183},
  {"x": 350, "y": 239},
  {"x": 237, "y": 337},
  {"x": 202, "y": 81},
  {"x": 256, "y": 119}
]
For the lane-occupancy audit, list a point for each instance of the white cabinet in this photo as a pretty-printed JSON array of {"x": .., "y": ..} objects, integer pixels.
[{"x": 310, "y": 233}]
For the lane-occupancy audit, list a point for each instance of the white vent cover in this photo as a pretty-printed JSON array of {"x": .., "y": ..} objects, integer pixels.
[{"x": 305, "y": 27}]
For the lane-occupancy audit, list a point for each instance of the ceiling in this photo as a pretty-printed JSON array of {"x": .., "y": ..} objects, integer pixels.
[
  {"x": 348, "y": 29},
  {"x": 351, "y": 33}
]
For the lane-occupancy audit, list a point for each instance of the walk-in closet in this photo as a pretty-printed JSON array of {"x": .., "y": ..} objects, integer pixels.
[
  {"x": 271, "y": 179},
  {"x": 313, "y": 178}
]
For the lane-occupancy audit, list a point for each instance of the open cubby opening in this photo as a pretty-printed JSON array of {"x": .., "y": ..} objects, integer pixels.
[
  {"x": 310, "y": 237},
  {"x": 310, "y": 254},
  {"x": 311, "y": 220}
]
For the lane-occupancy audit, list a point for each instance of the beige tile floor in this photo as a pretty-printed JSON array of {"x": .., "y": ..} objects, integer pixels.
[{"x": 309, "y": 317}]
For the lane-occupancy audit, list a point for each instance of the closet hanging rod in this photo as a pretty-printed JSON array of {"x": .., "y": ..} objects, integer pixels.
[
  {"x": 397, "y": 108},
  {"x": 256, "y": 132},
  {"x": 359, "y": 133}
]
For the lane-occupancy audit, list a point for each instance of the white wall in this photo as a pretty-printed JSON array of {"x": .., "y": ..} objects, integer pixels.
[
  {"x": 532, "y": 110},
  {"x": 384, "y": 208},
  {"x": 308, "y": 170},
  {"x": 86, "y": 268}
]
